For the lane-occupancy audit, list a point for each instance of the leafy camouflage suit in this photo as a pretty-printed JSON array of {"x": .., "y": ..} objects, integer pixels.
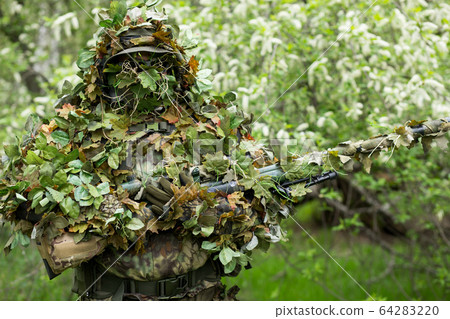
[
  {"x": 168, "y": 253},
  {"x": 137, "y": 116}
]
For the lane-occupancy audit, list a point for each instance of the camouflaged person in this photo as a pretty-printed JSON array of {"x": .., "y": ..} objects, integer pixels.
[
  {"x": 169, "y": 266},
  {"x": 140, "y": 71},
  {"x": 143, "y": 115}
]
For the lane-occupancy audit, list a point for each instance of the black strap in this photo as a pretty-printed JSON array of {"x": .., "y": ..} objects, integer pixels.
[
  {"x": 112, "y": 286},
  {"x": 169, "y": 287}
]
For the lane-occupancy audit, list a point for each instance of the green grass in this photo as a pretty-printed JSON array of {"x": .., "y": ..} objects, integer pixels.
[
  {"x": 23, "y": 276},
  {"x": 300, "y": 270},
  {"x": 320, "y": 278}
]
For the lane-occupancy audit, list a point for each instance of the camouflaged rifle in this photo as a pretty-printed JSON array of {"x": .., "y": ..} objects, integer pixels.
[{"x": 410, "y": 133}]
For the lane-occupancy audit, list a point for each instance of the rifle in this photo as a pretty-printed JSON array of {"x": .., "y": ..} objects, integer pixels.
[{"x": 424, "y": 129}]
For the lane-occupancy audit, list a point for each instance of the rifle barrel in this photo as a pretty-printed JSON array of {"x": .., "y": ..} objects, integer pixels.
[{"x": 275, "y": 170}]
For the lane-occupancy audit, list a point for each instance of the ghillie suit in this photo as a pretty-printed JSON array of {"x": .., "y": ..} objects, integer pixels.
[{"x": 144, "y": 113}]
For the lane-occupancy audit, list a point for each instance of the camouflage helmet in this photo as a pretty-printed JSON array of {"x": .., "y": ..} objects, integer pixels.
[{"x": 135, "y": 50}]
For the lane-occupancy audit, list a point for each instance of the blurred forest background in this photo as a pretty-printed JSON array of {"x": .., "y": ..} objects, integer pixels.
[{"x": 389, "y": 230}]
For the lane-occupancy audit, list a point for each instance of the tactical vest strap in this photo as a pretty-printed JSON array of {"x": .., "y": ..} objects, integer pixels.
[{"x": 114, "y": 288}]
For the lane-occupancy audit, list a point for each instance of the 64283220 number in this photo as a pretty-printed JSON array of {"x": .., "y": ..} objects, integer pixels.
[{"x": 409, "y": 310}]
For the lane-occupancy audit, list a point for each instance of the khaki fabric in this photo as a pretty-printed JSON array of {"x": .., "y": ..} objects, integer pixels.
[{"x": 63, "y": 253}]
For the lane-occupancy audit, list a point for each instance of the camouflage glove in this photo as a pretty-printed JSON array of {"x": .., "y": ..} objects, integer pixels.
[{"x": 159, "y": 197}]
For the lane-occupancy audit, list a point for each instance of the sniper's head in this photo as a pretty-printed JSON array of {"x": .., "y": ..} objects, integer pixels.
[{"x": 137, "y": 64}]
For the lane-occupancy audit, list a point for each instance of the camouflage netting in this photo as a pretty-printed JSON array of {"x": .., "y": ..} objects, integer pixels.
[{"x": 144, "y": 112}]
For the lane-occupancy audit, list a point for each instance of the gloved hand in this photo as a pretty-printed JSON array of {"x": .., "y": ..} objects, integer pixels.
[{"x": 159, "y": 197}]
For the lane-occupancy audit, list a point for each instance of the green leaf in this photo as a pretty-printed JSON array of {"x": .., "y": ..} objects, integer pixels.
[
  {"x": 62, "y": 123},
  {"x": 66, "y": 188},
  {"x": 36, "y": 198},
  {"x": 78, "y": 139},
  {"x": 50, "y": 152},
  {"x": 294, "y": 169},
  {"x": 105, "y": 24},
  {"x": 86, "y": 177},
  {"x": 72, "y": 156},
  {"x": 47, "y": 169},
  {"x": 103, "y": 188},
  {"x": 110, "y": 220},
  {"x": 230, "y": 97},
  {"x": 31, "y": 124},
  {"x": 74, "y": 180},
  {"x": 191, "y": 134},
  {"x": 247, "y": 182},
  {"x": 149, "y": 78},
  {"x": 207, "y": 231},
  {"x": 178, "y": 149},
  {"x": 61, "y": 137},
  {"x": 67, "y": 87},
  {"x": 20, "y": 198},
  {"x": 78, "y": 237},
  {"x": 12, "y": 151},
  {"x": 85, "y": 58},
  {"x": 23, "y": 240},
  {"x": 135, "y": 224},
  {"x": 244, "y": 161},
  {"x": 206, "y": 245},
  {"x": 81, "y": 193},
  {"x": 94, "y": 125},
  {"x": 125, "y": 79},
  {"x": 99, "y": 156},
  {"x": 32, "y": 158},
  {"x": 46, "y": 181},
  {"x": 77, "y": 164},
  {"x": 216, "y": 163},
  {"x": 262, "y": 187},
  {"x": 228, "y": 268},
  {"x": 57, "y": 196},
  {"x": 236, "y": 121},
  {"x": 209, "y": 110},
  {"x": 69, "y": 207},
  {"x": 191, "y": 222},
  {"x": 299, "y": 190},
  {"x": 118, "y": 10},
  {"x": 60, "y": 178},
  {"x": 59, "y": 222},
  {"x": 113, "y": 160},
  {"x": 203, "y": 74},
  {"x": 122, "y": 30},
  {"x": 93, "y": 191},
  {"x": 204, "y": 85},
  {"x": 44, "y": 202},
  {"x": 152, "y": 3},
  {"x": 98, "y": 201},
  {"x": 41, "y": 142},
  {"x": 87, "y": 203},
  {"x": 226, "y": 255}
]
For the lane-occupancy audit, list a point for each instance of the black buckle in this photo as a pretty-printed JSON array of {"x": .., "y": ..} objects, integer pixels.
[
  {"x": 183, "y": 282},
  {"x": 178, "y": 283}
]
